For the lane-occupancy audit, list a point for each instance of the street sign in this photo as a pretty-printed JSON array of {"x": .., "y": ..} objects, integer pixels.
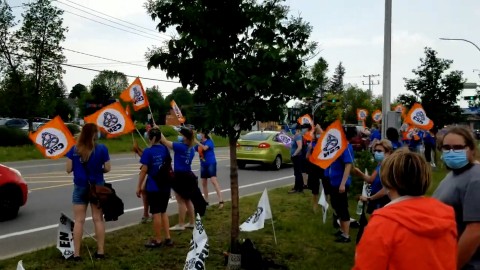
[{"x": 470, "y": 86}]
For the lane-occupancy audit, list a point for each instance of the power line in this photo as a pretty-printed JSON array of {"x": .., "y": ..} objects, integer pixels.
[
  {"x": 104, "y": 58},
  {"x": 370, "y": 82},
  {"x": 81, "y": 16},
  {"x": 136, "y": 25},
  {"x": 107, "y": 63},
  {"x": 123, "y": 25}
]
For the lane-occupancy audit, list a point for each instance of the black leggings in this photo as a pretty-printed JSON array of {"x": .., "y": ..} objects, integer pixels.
[
  {"x": 428, "y": 152},
  {"x": 340, "y": 203}
]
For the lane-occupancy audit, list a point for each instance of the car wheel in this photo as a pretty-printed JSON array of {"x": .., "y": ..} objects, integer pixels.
[
  {"x": 241, "y": 164},
  {"x": 277, "y": 163},
  {"x": 9, "y": 203}
]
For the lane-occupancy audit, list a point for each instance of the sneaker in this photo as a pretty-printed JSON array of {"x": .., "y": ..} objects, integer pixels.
[
  {"x": 295, "y": 191},
  {"x": 221, "y": 205},
  {"x": 188, "y": 225},
  {"x": 99, "y": 256},
  {"x": 153, "y": 244},
  {"x": 145, "y": 220},
  {"x": 338, "y": 233},
  {"x": 168, "y": 242},
  {"x": 343, "y": 239},
  {"x": 177, "y": 227},
  {"x": 77, "y": 258}
]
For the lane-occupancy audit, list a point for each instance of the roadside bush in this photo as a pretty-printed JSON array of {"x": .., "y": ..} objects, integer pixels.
[
  {"x": 168, "y": 131},
  {"x": 74, "y": 129},
  {"x": 13, "y": 137},
  {"x": 363, "y": 160},
  {"x": 141, "y": 127}
]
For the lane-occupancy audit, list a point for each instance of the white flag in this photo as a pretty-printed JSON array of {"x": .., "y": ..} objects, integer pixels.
[
  {"x": 65, "y": 236},
  {"x": 198, "y": 252},
  {"x": 257, "y": 220},
  {"x": 367, "y": 188},
  {"x": 20, "y": 265},
  {"x": 323, "y": 202}
]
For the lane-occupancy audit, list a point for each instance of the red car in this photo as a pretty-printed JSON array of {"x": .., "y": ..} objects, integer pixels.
[
  {"x": 13, "y": 192},
  {"x": 358, "y": 139}
]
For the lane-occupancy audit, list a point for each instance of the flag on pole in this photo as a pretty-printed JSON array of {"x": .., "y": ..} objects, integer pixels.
[
  {"x": 112, "y": 120},
  {"x": 53, "y": 139},
  {"x": 177, "y": 111},
  {"x": 331, "y": 144},
  {"x": 257, "y": 220},
  {"x": 324, "y": 204},
  {"x": 65, "y": 236},
  {"x": 362, "y": 114},
  {"x": 417, "y": 117},
  {"x": 135, "y": 94},
  {"x": 377, "y": 116},
  {"x": 199, "y": 247}
]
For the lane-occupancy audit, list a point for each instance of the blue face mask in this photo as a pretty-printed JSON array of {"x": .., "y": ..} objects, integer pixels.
[
  {"x": 180, "y": 138},
  {"x": 455, "y": 160},
  {"x": 378, "y": 156},
  {"x": 199, "y": 137}
]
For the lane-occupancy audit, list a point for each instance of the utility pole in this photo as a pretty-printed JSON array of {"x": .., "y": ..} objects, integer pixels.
[
  {"x": 370, "y": 82},
  {"x": 387, "y": 64}
]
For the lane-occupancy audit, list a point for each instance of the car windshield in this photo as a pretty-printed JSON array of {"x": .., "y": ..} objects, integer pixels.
[{"x": 256, "y": 136}]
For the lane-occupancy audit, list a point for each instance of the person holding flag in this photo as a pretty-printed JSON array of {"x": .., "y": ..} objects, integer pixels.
[
  {"x": 339, "y": 174},
  {"x": 315, "y": 173},
  {"x": 88, "y": 161},
  {"x": 297, "y": 152}
]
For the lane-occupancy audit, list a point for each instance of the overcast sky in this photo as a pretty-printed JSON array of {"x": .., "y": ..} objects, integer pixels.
[{"x": 349, "y": 31}]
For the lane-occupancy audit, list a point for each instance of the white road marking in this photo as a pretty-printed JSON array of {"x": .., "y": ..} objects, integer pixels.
[{"x": 24, "y": 232}]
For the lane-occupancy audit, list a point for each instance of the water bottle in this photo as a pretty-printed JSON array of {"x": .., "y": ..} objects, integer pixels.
[{"x": 359, "y": 207}]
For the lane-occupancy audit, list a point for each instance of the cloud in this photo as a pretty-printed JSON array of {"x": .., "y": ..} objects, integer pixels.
[{"x": 342, "y": 42}]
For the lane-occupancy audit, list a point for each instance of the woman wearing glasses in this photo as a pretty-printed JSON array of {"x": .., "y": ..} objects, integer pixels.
[{"x": 461, "y": 190}]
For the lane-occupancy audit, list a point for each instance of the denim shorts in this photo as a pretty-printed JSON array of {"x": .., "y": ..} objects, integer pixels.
[
  {"x": 80, "y": 194},
  {"x": 208, "y": 170}
]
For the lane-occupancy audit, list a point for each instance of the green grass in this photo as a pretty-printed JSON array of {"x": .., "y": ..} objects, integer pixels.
[
  {"x": 303, "y": 241},
  {"x": 122, "y": 144}
]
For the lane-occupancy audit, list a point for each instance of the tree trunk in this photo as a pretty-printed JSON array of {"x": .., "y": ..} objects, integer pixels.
[{"x": 235, "y": 229}]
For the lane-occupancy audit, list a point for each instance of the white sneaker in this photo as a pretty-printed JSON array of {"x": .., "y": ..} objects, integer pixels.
[
  {"x": 177, "y": 227},
  {"x": 189, "y": 225}
]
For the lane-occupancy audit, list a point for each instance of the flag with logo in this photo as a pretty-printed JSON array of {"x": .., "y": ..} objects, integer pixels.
[
  {"x": 284, "y": 139},
  {"x": 199, "y": 247},
  {"x": 177, "y": 111},
  {"x": 324, "y": 204},
  {"x": 65, "y": 236},
  {"x": 136, "y": 95},
  {"x": 112, "y": 120},
  {"x": 53, "y": 139},
  {"x": 306, "y": 119},
  {"x": 400, "y": 108},
  {"x": 331, "y": 144},
  {"x": 417, "y": 117},
  {"x": 377, "y": 116},
  {"x": 362, "y": 114},
  {"x": 257, "y": 220}
]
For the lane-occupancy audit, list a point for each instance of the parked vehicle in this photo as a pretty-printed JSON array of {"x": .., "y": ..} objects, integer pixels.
[
  {"x": 263, "y": 147},
  {"x": 359, "y": 141},
  {"x": 13, "y": 192},
  {"x": 3, "y": 121},
  {"x": 16, "y": 123}
]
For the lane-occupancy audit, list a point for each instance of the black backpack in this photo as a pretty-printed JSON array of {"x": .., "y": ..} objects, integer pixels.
[
  {"x": 165, "y": 175},
  {"x": 251, "y": 257}
]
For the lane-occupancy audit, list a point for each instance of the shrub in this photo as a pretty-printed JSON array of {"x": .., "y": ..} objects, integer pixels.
[
  {"x": 363, "y": 160},
  {"x": 141, "y": 127},
  {"x": 74, "y": 129},
  {"x": 168, "y": 131},
  {"x": 13, "y": 137}
]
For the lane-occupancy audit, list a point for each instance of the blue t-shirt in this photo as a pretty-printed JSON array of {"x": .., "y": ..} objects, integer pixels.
[
  {"x": 182, "y": 158},
  {"x": 335, "y": 171},
  {"x": 94, "y": 166},
  {"x": 375, "y": 135},
  {"x": 153, "y": 158},
  {"x": 429, "y": 139},
  {"x": 209, "y": 154},
  {"x": 294, "y": 147},
  {"x": 377, "y": 184},
  {"x": 396, "y": 145}
]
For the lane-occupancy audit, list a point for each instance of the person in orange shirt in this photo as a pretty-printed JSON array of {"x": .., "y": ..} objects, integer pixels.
[{"x": 412, "y": 231}]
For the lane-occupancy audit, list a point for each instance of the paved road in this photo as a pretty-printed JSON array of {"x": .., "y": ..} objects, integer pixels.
[{"x": 51, "y": 190}]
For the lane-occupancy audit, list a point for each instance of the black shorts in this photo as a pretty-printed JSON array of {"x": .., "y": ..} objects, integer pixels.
[
  {"x": 340, "y": 203},
  {"x": 158, "y": 201},
  {"x": 315, "y": 173},
  {"x": 327, "y": 187}
]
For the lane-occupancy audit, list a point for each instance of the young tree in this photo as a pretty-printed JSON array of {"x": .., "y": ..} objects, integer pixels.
[
  {"x": 406, "y": 100},
  {"x": 77, "y": 90},
  {"x": 319, "y": 82},
  {"x": 336, "y": 84},
  {"x": 243, "y": 58},
  {"x": 114, "y": 81},
  {"x": 437, "y": 90}
]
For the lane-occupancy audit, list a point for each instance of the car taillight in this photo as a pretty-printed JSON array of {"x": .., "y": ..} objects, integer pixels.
[{"x": 264, "y": 145}]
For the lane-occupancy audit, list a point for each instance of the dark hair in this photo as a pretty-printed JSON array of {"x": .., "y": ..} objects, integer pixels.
[
  {"x": 188, "y": 133},
  {"x": 205, "y": 133},
  {"x": 307, "y": 126},
  {"x": 406, "y": 172},
  {"x": 156, "y": 133},
  {"x": 392, "y": 134},
  {"x": 86, "y": 141}
]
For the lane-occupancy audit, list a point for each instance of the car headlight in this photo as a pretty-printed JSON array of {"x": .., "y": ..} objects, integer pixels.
[{"x": 15, "y": 171}]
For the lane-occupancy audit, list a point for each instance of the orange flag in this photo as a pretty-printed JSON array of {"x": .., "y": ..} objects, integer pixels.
[
  {"x": 177, "y": 111},
  {"x": 417, "y": 117},
  {"x": 400, "y": 108},
  {"x": 331, "y": 144},
  {"x": 306, "y": 119},
  {"x": 135, "y": 94},
  {"x": 112, "y": 120},
  {"x": 377, "y": 116},
  {"x": 53, "y": 139},
  {"x": 362, "y": 114}
]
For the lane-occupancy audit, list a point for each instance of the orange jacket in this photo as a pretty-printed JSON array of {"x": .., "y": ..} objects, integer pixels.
[{"x": 417, "y": 233}]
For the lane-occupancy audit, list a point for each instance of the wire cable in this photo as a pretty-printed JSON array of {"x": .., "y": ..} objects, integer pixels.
[{"x": 104, "y": 58}]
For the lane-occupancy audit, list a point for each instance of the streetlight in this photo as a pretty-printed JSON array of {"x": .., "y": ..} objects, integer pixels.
[{"x": 461, "y": 39}]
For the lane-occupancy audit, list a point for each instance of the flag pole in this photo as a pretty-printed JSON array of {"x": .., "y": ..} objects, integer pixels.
[
  {"x": 274, "y": 234},
  {"x": 153, "y": 118},
  {"x": 143, "y": 139}
]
